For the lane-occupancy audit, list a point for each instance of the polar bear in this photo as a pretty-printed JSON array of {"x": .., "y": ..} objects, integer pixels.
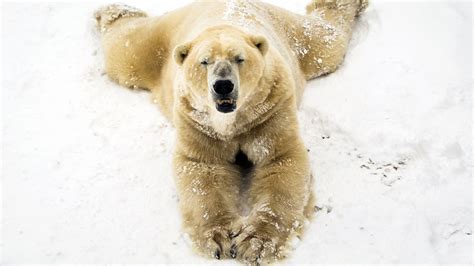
[{"x": 229, "y": 75}]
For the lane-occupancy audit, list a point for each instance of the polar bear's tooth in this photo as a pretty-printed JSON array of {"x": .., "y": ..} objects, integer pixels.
[{"x": 221, "y": 101}]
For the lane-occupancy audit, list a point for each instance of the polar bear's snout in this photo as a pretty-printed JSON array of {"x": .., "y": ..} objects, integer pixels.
[{"x": 223, "y": 86}]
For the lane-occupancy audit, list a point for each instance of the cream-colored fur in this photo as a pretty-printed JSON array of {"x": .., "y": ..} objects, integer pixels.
[{"x": 280, "y": 51}]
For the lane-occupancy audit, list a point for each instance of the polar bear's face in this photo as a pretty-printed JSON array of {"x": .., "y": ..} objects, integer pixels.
[{"x": 222, "y": 68}]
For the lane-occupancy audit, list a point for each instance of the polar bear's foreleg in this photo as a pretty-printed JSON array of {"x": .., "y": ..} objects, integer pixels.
[
  {"x": 208, "y": 194},
  {"x": 280, "y": 193}
]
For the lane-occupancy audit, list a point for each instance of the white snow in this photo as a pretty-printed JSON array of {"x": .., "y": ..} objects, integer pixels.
[{"x": 86, "y": 164}]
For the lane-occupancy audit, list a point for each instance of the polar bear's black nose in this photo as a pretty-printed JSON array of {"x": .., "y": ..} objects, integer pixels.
[{"x": 223, "y": 87}]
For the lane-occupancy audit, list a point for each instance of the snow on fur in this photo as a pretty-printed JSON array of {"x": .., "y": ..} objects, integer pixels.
[{"x": 87, "y": 165}]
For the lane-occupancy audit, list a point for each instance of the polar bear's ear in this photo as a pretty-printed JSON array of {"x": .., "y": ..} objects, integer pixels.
[
  {"x": 181, "y": 52},
  {"x": 261, "y": 43}
]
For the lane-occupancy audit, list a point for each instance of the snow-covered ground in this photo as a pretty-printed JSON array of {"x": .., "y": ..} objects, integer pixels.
[{"x": 86, "y": 172}]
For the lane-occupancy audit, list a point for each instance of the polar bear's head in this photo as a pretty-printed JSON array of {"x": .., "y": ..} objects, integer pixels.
[{"x": 222, "y": 67}]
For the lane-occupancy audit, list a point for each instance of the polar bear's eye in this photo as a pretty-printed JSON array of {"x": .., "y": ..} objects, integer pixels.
[
  {"x": 239, "y": 60},
  {"x": 205, "y": 62}
]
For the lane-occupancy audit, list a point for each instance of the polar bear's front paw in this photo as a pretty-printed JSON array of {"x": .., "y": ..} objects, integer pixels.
[
  {"x": 107, "y": 15},
  {"x": 216, "y": 242},
  {"x": 257, "y": 243}
]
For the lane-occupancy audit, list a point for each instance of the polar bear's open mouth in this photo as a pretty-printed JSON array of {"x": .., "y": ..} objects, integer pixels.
[{"x": 225, "y": 105}]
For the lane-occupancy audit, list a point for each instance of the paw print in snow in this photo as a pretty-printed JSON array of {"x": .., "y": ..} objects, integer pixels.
[{"x": 389, "y": 173}]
